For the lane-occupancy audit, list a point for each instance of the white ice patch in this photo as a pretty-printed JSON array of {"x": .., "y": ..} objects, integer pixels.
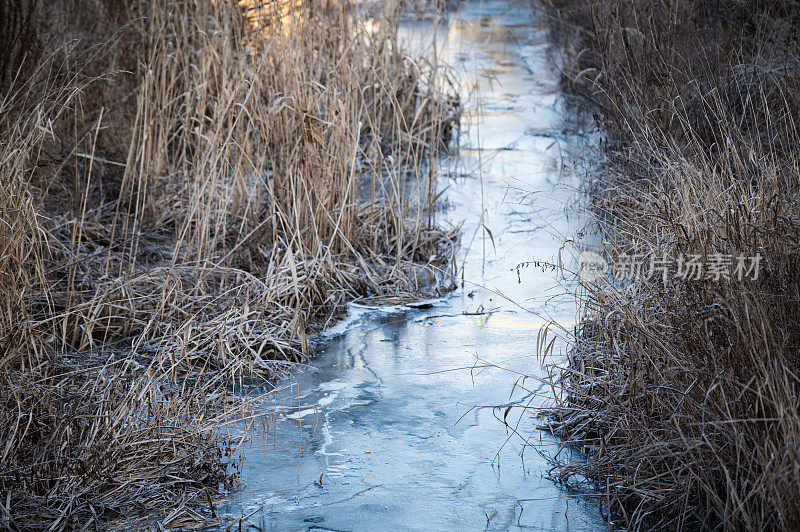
[
  {"x": 304, "y": 412},
  {"x": 332, "y": 386},
  {"x": 327, "y": 440},
  {"x": 354, "y": 314},
  {"x": 328, "y": 399},
  {"x": 355, "y": 311}
]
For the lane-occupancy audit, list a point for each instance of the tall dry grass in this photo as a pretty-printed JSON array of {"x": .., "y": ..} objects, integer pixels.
[
  {"x": 684, "y": 393},
  {"x": 187, "y": 187}
]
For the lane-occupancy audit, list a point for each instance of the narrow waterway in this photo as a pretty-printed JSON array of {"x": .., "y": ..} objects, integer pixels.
[{"x": 395, "y": 442}]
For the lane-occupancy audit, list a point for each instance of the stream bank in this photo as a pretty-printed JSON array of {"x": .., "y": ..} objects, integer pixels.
[{"x": 387, "y": 428}]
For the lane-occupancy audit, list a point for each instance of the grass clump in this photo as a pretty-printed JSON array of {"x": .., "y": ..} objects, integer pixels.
[
  {"x": 186, "y": 188},
  {"x": 684, "y": 392}
]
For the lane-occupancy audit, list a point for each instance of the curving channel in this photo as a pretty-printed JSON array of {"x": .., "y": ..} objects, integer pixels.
[{"x": 400, "y": 437}]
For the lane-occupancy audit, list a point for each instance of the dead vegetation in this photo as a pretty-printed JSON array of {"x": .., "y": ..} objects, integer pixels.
[
  {"x": 186, "y": 187},
  {"x": 684, "y": 393}
]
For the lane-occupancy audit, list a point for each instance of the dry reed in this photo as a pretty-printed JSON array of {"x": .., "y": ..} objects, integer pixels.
[
  {"x": 186, "y": 189},
  {"x": 684, "y": 393}
]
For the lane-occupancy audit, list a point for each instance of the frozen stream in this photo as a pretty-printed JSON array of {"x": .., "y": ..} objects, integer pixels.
[{"x": 395, "y": 442}]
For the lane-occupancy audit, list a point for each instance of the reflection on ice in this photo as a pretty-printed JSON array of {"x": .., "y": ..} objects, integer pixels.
[{"x": 396, "y": 423}]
